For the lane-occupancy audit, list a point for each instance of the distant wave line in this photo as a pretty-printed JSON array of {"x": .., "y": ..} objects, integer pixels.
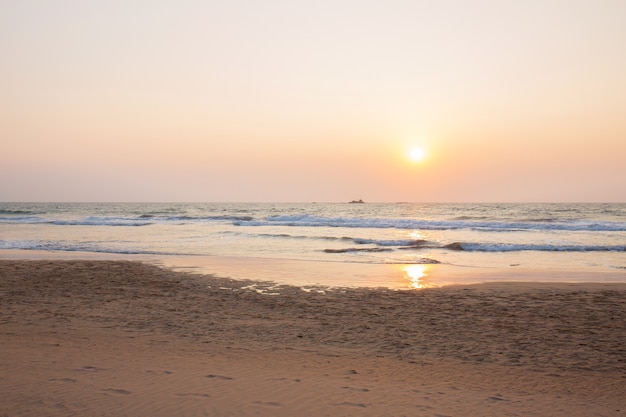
[
  {"x": 142, "y": 220},
  {"x": 306, "y": 220}
]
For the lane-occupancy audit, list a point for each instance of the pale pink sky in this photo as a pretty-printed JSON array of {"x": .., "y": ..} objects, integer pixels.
[{"x": 312, "y": 101}]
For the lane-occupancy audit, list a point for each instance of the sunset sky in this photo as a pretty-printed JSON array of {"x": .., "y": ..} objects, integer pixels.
[{"x": 288, "y": 101}]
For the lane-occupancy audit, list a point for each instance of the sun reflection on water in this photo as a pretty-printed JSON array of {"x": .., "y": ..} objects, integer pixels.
[{"x": 416, "y": 274}]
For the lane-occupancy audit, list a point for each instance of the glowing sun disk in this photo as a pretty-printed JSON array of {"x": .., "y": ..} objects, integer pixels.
[{"x": 417, "y": 154}]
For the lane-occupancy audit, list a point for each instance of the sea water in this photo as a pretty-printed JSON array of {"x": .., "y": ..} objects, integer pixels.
[{"x": 339, "y": 244}]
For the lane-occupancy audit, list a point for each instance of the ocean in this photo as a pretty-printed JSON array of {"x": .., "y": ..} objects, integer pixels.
[{"x": 396, "y": 245}]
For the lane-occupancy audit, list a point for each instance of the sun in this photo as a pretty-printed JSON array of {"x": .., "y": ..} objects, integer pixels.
[{"x": 417, "y": 154}]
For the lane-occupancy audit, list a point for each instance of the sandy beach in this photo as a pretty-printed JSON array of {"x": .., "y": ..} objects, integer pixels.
[{"x": 118, "y": 338}]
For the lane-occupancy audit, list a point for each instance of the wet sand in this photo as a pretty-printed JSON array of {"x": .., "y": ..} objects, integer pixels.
[{"x": 118, "y": 338}]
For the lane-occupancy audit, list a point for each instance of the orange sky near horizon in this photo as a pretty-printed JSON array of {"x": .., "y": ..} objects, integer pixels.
[{"x": 286, "y": 102}]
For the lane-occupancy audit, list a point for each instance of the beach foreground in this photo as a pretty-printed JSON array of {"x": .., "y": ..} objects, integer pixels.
[{"x": 117, "y": 338}]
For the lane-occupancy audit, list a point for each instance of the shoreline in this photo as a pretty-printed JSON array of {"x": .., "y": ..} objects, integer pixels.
[
  {"x": 335, "y": 274},
  {"x": 97, "y": 337}
]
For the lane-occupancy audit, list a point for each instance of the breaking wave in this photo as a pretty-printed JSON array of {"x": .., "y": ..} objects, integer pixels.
[
  {"x": 140, "y": 220},
  {"x": 16, "y": 212},
  {"x": 306, "y": 220},
  {"x": 75, "y": 247},
  {"x": 508, "y": 247}
]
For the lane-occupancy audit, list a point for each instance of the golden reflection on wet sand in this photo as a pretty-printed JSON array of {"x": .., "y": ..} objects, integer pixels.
[{"x": 416, "y": 275}]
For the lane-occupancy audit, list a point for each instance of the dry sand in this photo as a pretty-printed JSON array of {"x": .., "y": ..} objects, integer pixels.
[{"x": 104, "y": 338}]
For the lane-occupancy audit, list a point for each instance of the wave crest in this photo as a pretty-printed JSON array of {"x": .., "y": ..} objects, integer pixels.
[
  {"x": 510, "y": 247},
  {"x": 307, "y": 220}
]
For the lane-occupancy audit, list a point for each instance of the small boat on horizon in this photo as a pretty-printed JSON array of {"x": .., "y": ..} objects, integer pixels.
[{"x": 357, "y": 202}]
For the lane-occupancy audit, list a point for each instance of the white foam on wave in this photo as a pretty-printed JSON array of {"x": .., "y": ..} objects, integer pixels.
[
  {"x": 359, "y": 241},
  {"x": 22, "y": 219},
  {"x": 141, "y": 220},
  {"x": 306, "y": 220},
  {"x": 508, "y": 247},
  {"x": 43, "y": 245},
  {"x": 102, "y": 221},
  {"x": 379, "y": 242}
]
